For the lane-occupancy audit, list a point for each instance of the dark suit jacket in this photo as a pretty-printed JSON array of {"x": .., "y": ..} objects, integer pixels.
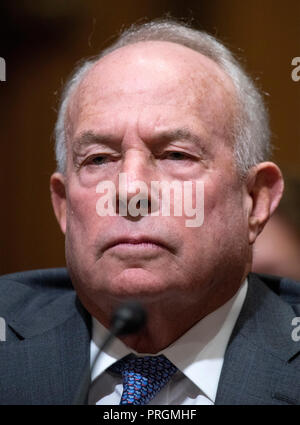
[{"x": 48, "y": 334}]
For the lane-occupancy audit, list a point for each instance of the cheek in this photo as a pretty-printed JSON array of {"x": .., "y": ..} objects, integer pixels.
[
  {"x": 224, "y": 216},
  {"x": 82, "y": 218},
  {"x": 224, "y": 198}
]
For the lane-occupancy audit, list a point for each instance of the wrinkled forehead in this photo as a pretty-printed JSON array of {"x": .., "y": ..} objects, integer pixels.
[{"x": 157, "y": 69}]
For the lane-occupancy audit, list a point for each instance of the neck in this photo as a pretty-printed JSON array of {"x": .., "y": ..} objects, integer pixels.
[
  {"x": 165, "y": 327},
  {"x": 168, "y": 320}
]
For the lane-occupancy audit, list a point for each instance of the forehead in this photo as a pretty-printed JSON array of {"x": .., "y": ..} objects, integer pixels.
[{"x": 150, "y": 73}]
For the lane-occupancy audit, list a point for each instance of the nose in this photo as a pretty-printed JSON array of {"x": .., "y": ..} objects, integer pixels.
[
  {"x": 136, "y": 196},
  {"x": 136, "y": 165}
]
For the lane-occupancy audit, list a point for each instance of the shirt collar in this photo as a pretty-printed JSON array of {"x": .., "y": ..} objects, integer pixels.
[{"x": 203, "y": 346}]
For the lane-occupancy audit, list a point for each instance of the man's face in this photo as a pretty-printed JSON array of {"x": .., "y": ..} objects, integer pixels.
[{"x": 158, "y": 112}]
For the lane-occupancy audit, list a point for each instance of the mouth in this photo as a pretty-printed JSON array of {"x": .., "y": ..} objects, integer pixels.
[{"x": 136, "y": 243}]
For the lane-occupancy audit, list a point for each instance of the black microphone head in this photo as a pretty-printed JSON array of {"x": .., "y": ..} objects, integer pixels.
[{"x": 129, "y": 318}]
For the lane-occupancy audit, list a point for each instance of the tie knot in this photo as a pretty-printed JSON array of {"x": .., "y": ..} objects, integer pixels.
[{"x": 143, "y": 377}]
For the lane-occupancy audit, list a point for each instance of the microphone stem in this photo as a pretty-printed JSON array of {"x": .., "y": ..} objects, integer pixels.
[
  {"x": 104, "y": 344},
  {"x": 128, "y": 319},
  {"x": 79, "y": 399}
]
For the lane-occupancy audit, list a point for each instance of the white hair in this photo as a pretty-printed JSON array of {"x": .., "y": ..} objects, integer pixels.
[{"x": 251, "y": 134}]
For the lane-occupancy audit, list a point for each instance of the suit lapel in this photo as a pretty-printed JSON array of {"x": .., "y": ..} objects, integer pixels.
[
  {"x": 46, "y": 348},
  {"x": 257, "y": 367}
]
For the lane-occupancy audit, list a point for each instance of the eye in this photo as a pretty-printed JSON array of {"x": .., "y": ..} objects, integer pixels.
[
  {"x": 177, "y": 156},
  {"x": 98, "y": 160}
]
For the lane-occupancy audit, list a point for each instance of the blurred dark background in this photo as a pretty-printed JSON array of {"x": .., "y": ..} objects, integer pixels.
[{"x": 42, "y": 40}]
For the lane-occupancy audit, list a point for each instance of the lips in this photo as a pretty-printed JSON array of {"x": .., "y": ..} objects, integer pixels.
[{"x": 140, "y": 240}]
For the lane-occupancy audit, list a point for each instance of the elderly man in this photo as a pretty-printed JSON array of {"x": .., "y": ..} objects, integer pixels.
[{"x": 165, "y": 103}]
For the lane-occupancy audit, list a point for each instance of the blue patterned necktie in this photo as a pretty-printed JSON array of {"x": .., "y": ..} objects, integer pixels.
[{"x": 143, "y": 377}]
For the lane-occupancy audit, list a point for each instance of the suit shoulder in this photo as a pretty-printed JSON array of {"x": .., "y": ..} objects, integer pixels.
[
  {"x": 35, "y": 302},
  {"x": 33, "y": 291},
  {"x": 284, "y": 289},
  {"x": 287, "y": 289},
  {"x": 54, "y": 279}
]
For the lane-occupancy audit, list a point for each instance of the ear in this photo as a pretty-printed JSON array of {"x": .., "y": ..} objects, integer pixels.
[
  {"x": 58, "y": 198},
  {"x": 265, "y": 187}
]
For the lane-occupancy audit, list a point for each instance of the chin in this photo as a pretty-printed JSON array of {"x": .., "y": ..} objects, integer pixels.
[{"x": 136, "y": 283}]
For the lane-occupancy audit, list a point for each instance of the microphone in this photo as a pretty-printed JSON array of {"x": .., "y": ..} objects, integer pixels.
[{"x": 127, "y": 319}]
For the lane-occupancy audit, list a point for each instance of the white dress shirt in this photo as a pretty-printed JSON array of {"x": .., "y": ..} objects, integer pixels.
[{"x": 198, "y": 355}]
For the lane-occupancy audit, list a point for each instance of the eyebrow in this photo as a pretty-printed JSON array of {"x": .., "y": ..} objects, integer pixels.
[
  {"x": 182, "y": 134},
  {"x": 89, "y": 137},
  {"x": 179, "y": 133}
]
